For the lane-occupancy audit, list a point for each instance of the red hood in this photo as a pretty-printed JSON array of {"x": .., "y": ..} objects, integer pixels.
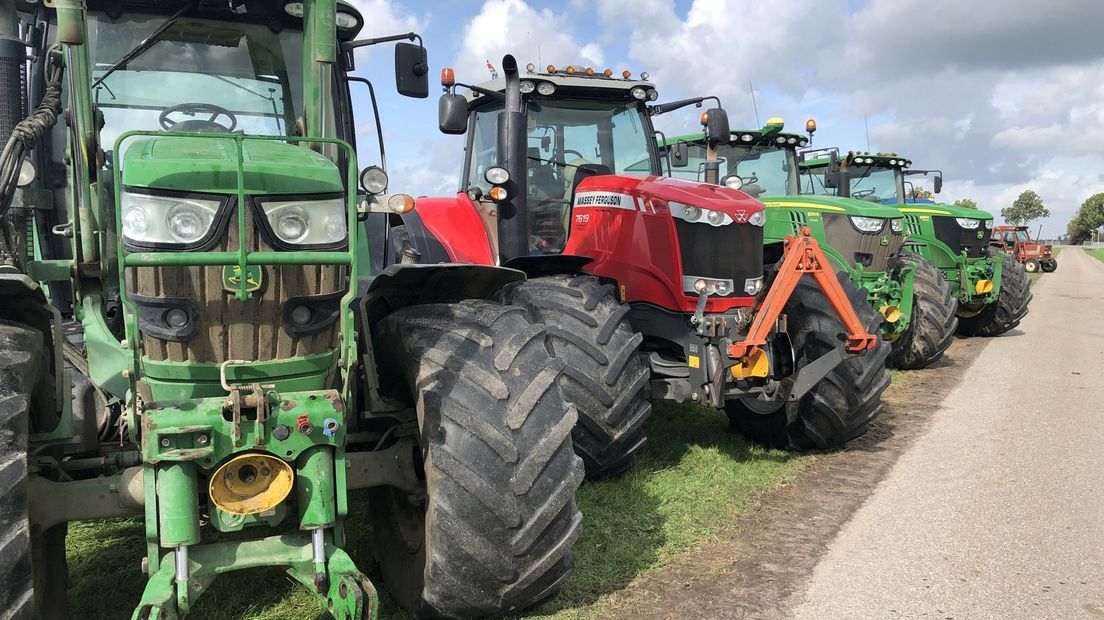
[{"x": 737, "y": 204}]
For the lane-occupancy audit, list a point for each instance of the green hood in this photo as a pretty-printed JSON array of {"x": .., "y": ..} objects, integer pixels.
[
  {"x": 209, "y": 165},
  {"x": 930, "y": 208},
  {"x": 832, "y": 204}
]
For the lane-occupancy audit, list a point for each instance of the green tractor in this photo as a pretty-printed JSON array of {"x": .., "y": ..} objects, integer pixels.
[
  {"x": 991, "y": 289},
  {"x": 861, "y": 239},
  {"x": 191, "y": 331}
]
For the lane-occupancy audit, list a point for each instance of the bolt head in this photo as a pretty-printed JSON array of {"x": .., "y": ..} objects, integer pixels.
[
  {"x": 202, "y": 440},
  {"x": 165, "y": 443}
]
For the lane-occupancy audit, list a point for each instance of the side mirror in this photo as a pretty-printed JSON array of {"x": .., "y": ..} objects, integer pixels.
[
  {"x": 716, "y": 126},
  {"x": 680, "y": 154},
  {"x": 411, "y": 70},
  {"x": 831, "y": 175},
  {"x": 452, "y": 114},
  {"x": 938, "y": 183}
]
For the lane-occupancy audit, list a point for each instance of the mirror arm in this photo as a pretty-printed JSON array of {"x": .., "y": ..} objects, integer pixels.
[
  {"x": 671, "y": 106},
  {"x": 494, "y": 94},
  {"x": 375, "y": 113},
  {"x": 349, "y": 46}
]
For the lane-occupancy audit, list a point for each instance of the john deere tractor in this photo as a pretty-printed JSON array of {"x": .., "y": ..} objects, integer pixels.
[
  {"x": 860, "y": 238},
  {"x": 189, "y": 332},
  {"x": 991, "y": 288},
  {"x": 648, "y": 285}
]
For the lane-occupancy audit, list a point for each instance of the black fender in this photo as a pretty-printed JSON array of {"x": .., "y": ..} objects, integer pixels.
[{"x": 552, "y": 264}]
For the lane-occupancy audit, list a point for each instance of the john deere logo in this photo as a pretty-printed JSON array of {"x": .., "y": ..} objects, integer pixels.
[
  {"x": 885, "y": 239},
  {"x": 232, "y": 277},
  {"x": 981, "y": 234}
]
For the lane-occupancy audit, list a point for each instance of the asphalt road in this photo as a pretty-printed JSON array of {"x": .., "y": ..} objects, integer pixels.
[{"x": 998, "y": 511}]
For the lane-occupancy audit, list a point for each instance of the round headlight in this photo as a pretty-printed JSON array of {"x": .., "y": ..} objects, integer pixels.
[
  {"x": 346, "y": 21},
  {"x": 135, "y": 222},
  {"x": 652, "y": 94},
  {"x": 26, "y": 173},
  {"x": 300, "y": 315},
  {"x": 526, "y": 87},
  {"x": 700, "y": 285},
  {"x": 186, "y": 223},
  {"x": 722, "y": 287},
  {"x": 897, "y": 225},
  {"x": 691, "y": 214},
  {"x": 747, "y": 137},
  {"x": 757, "y": 218},
  {"x": 733, "y": 181},
  {"x": 638, "y": 92},
  {"x": 715, "y": 218},
  {"x": 893, "y": 162},
  {"x": 176, "y": 318},
  {"x": 374, "y": 180},
  {"x": 295, "y": 9},
  {"x": 292, "y": 224},
  {"x": 803, "y": 142},
  {"x": 496, "y": 175},
  {"x": 791, "y": 140},
  {"x": 546, "y": 88}
]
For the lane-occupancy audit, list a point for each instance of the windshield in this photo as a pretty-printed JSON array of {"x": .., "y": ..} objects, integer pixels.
[
  {"x": 763, "y": 169},
  {"x": 248, "y": 70},
  {"x": 563, "y": 135},
  {"x": 1021, "y": 235},
  {"x": 874, "y": 184}
]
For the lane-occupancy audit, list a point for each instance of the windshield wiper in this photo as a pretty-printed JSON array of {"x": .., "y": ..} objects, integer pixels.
[{"x": 145, "y": 44}]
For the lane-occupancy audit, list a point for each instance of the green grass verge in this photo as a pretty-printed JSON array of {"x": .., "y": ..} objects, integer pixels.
[
  {"x": 692, "y": 479},
  {"x": 1097, "y": 254}
]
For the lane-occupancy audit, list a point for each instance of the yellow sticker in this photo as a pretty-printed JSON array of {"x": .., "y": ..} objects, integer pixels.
[
  {"x": 622, "y": 291},
  {"x": 695, "y": 361}
]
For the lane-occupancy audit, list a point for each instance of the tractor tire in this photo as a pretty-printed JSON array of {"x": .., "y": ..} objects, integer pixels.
[
  {"x": 589, "y": 330},
  {"x": 33, "y": 575},
  {"x": 932, "y": 327},
  {"x": 1008, "y": 310},
  {"x": 1049, "y": 266},
  {"x": 1032, "y": 266},
  {"x": 841, "y": 406},
  {"x": 493, "y": 530}
]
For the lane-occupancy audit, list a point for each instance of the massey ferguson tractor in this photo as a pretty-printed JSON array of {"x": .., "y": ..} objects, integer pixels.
[
  {"x": 860, "y": 238},
  {"x": 991, "y": 288},
  {"x": 188, "y": 333},
  {"x": 1017, "y": 241},
  {"x": 647, "y": 284}
]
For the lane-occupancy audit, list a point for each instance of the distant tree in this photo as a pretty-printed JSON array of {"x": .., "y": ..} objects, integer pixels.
[
  {"x": 1026, "y": 208},
  {"x": 918, "y": 192},
  {"x": 1088, "y": 218},
  {"x": 965, "y": 202}
]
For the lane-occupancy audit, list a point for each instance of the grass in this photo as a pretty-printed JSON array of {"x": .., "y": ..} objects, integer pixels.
[
  {"x": 1097, "y": 254},
  {"x": 692, "y": 479},
  {"x": 1034, "y": 277}
]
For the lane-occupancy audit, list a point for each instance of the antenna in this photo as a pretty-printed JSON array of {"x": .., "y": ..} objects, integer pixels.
[
  {"x": 867, "y": 124},
  {"x": 539, "y": 63},
  {"x": 754, "y": 105}
]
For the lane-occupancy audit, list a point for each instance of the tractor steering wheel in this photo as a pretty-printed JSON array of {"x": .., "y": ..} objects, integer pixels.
[
  {"x": 863, "y": 193},
  {"x": 200, "y": 125}
]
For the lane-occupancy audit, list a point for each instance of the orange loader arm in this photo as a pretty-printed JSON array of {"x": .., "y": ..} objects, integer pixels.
[{"x": 802, "y": 255}]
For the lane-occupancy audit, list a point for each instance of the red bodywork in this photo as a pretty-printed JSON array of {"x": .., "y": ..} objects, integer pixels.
[{"x": 1022, "y": 251}]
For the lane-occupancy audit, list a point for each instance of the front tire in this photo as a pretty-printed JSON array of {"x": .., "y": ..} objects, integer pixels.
[
  {"x": 1049, "y": 266},
  {"x": 33, "y": 574},
  {"x": 933, "y": 323},
  {"x": 493, "y": 531},
  {"x": 589, "y": 330},
  {"x": 1007, "y": 310},
  {"x": 841, "y": 406},
  {"x": 1031, "y": 266}
]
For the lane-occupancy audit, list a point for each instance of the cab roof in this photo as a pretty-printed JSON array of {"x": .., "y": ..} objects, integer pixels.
[
  {"x": 884, "y": 160},
  {"x": 573, "y": 80}
]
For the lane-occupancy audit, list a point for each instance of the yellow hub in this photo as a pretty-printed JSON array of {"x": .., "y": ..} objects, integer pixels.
[
  {"x": 755, "y": 364},
  {"x": 983, "y": 287},
  {"x": 892, "y": 314},
  {"x": 251, "y": 483}
]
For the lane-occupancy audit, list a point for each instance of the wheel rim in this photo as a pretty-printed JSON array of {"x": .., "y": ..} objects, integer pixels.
[{"x": 762, "y": 407}]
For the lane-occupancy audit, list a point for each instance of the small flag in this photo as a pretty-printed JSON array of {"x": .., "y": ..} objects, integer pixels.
[{"x": 490, "y": 67}]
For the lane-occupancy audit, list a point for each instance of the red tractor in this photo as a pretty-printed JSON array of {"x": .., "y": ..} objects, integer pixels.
[
  {"x": 648, "y": 285},
  {"x": 1017, "y": 241}
]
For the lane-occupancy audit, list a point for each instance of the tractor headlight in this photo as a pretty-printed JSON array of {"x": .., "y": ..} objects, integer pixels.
[
  {"x": 638, "y": 92},
  {"x": 868, "y": 224},
  {"x": 758, "y": 218},
  {"x": 897, "y": 225},
  {"x": 733, "y": 181},
  {"x": 150, "y": 219},
  {"x": 546, "y": 88},
  {"x": 692, "y": 214},
  {"x": 968, "y": 223},
  {"x": 307, "y": 222}
]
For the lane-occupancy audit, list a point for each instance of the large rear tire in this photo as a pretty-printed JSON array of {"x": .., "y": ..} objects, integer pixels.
[
  {"x": 493, "y": 531},
  {"x": 841, "y": 406},
  {"x": 603, "y": 375},
  {"x": 33, "y": 575},
  {"x": 1008, "y": 310},
  {"x": 932, "y": 327}
]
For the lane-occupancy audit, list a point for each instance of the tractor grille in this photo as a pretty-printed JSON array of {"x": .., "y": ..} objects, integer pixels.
[
  {"x": 912, "y": 222},
  {"x": 226, "y": 328},
  {"x": 874, "y": 251},
  {"x": 797, "y": 219},
  {"x": 958, "y": 238},
  {"x": 733, "y": 252}
]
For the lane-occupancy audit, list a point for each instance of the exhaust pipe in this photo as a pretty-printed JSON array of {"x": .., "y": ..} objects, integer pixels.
[
  {"x": 513, "y": 234},
  {"x": 13, "y": 58}
]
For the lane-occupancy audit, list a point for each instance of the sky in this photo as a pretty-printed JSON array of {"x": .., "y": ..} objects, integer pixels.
[{"x": 1002, "y": 96}]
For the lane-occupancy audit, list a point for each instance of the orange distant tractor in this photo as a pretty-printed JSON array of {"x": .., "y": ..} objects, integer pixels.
[{"x": 1017, "y": 241}]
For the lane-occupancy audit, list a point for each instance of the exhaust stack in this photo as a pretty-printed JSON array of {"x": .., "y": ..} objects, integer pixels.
[{"x": 513, "y": 218}]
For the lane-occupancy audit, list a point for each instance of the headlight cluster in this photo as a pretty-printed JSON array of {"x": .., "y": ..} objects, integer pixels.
[
  {"x": 305, "y": 221},
  {"x": 149, "y": 219},
  {"x": 692, "y": 214},
  {"x": 968, "y": 223},
  {"x": 897, "y": 225},
  {"x": 868, "y": 224}
]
